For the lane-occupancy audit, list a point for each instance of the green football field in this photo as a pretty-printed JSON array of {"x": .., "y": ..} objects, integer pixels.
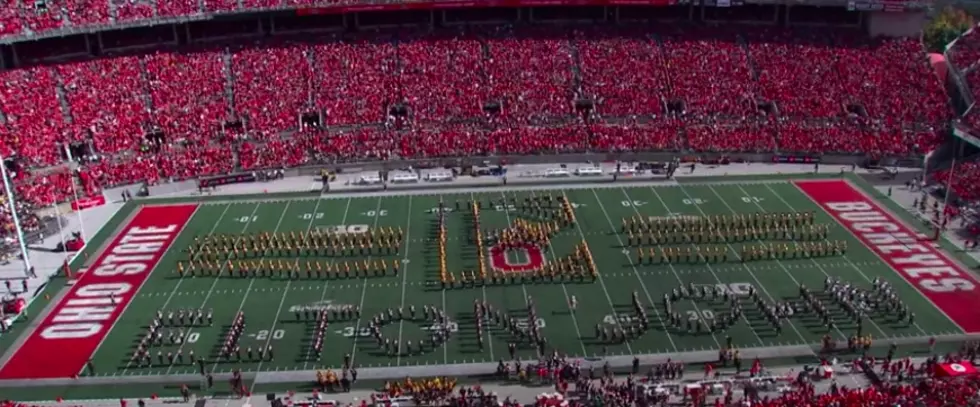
[{"x": 271, "y": 304}]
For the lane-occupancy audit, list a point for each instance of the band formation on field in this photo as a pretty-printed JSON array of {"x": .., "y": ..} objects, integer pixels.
[{"x": 320, "y": 284}]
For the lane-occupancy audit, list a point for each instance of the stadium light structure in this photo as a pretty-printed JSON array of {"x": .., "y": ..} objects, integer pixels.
[
  {"x": 11, "y": 201},
  {"x": 61, "y": 229},
  {"x": 949, "y": 188},
  {"x": 74, "y": 193}
]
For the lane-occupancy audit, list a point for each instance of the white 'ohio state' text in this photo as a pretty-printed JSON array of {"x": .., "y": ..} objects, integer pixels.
[{"x": 94, "y": 302}]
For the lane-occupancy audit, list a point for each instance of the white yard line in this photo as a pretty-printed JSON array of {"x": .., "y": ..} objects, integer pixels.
[
  {"x": 506, "y": 209},
  {"x": 602, "y": 282},
  {"x": 323, "y": 293},
  {"x": 285, "y": 292},
  {"x": 181, "y": 279},
  {"x": 568, "y": 303},
  {"x": 483, "y": 287},
  {"x": 636, "y": 273},
  {"x": 364, "y": 286},
  {"x": 746, "y": 266},
  {"x": 712, "y": 270},
  {"x": 150, "y": 272},
  {"x": 214, "y": 283},
  {"x": 248, "y": 290},
  {"x": 849, "y": 261},
  {"x": 445, "y": 346},
  {"x": 780, "y": 263},
  {"x": 404, "y": 272}
]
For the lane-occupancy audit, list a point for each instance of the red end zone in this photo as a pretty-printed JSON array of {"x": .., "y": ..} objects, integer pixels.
[
  {"x": 951, "y": 288},
  {"x": 67, "y": 337}
]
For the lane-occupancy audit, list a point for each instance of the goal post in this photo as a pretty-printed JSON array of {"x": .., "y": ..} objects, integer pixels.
[{"x": 11, "y": 202}]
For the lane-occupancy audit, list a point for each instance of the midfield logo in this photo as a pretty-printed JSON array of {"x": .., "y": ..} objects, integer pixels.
[{"x": 516, "y": 259}]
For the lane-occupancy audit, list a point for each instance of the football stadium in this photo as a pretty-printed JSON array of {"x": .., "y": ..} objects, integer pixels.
[{"x": 284, "y": 195}]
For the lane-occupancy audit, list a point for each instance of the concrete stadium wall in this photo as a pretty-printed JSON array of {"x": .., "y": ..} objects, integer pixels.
[{"x": 313, "y": 171}]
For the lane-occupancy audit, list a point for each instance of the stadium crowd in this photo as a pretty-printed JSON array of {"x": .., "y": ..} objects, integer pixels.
[
  {"x": 493, "y": 91},
  {"x": 202, "y": 110},
  {"x": 963, "y": 182}
]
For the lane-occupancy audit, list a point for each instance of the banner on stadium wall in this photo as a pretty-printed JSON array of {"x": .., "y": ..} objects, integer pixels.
[
  {"x": 443, "y": 5},
  {"x": 891, "y": 6},
  {"x": 795, "y": 159},
  {"x": 87, "y": 202},
  {"x": 894, "y": 6},
  {"x": 958, "y": 369},
  {"x": 227, "y": 179}
]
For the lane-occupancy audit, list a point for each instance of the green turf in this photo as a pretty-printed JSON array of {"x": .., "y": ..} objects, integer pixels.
[{"x": 267, "y": 302}]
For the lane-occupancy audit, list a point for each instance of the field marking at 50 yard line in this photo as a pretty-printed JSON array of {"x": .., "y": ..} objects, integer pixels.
[
  {"x": 900, "y": 223},
  {"x": 326, "y": 283},
  {"x": 214, "y": 282},
  {"x": 814, "y": 261},
  {"x": 636, "y": 272},
  {"x": 404, "y": 272},
  {"x": 744, "y": 266},
  {"x": 612, "y": 306},
  {"x": 251, "y": 283},
  {"x": 364, "y": 287},
  {"x": 506, "y": 210},
  {"x": 285, "y": 292},
  {"x": 571, "y": 312},
  {"x": 483, "y": 287},
  {"x": 176, "y": 288},
  {"x": 109, "y": 244}
]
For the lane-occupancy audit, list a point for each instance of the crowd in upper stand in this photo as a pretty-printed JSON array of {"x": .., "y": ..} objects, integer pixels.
[
  {"x": 680, "y": 88},
  {"x": 41, "y": 17},
  {"x": 963, "y": 182}
]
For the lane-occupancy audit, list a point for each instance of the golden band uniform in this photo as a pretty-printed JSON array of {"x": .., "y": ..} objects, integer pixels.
[
  {"x": 251, "y": 253},
  {"x": 796, "y": 250},
  {"x": 690, "y": 227},
  {"x": 709, "y": 236},
  {"x": 551, "y": 214}
]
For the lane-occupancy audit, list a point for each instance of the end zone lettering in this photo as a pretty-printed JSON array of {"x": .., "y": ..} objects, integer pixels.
[
  {"x": 951, "y": 288},
  {"x": 67, "y": 337}
]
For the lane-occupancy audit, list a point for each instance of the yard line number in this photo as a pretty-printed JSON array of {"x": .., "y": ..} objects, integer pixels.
[
  {"x": 264, "y": 334},
  {"x": 382, "y": 212},
  {"x": 618, "y": 319},
  {"x": 703, "y": 315},
  {"x": 630, "y": 204},
  {"x": 193, "y": 337},
  {"x": 312, "y": 216},
  {"x": 342, "y": 229},
  {"x": 365, "y": 332},
  {"x": 735, "y": 288},
  {"x": 751, "y": 199},
  {"x": 247, "y": 219},
  {"x": 693, "y": 201}
]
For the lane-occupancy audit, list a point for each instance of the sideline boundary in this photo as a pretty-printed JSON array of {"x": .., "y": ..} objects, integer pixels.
[
  {"x": 286, "y": 376},
  {"x": 878, "y": 206},
  {"x": 59, "y": 294}
]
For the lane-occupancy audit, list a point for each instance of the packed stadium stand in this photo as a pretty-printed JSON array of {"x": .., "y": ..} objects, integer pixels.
[
  {"x": 163, "y": 103},
  {"x": 172, "y": 102}
]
